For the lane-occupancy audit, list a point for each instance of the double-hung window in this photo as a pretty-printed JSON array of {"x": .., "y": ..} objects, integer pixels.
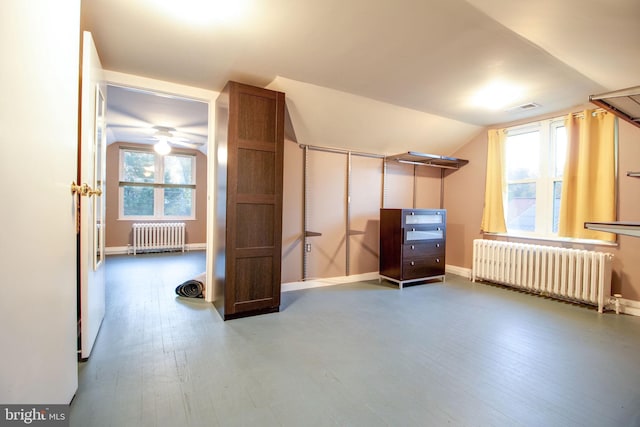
[
  {"x": 156, "y": 187},
  {"x": 534, "y": 162}
]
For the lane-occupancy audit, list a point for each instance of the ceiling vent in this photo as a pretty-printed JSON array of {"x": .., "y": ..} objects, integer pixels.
[
  {"x": 524, "y": 107},
  {"x": 528, "y": 106},
  {"x": 623, "y": 103}
]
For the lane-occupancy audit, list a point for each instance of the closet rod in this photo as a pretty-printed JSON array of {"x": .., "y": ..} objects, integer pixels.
[
  {"x": 409, "y": 162},
  {"x": 342, "y": 151}
]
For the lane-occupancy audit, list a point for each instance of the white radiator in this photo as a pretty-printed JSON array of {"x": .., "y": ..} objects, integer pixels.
[
  {"x": 158, "y": 236},
  {"x": 571, "y": 274}
]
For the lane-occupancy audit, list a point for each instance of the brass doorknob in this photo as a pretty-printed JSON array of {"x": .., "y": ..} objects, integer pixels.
[
  {"x": 96, "y": 192},
  {"x": 76, "y": 189},
  {"x": 84, "y": 190}
]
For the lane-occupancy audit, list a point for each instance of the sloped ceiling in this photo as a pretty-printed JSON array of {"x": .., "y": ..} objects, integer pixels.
[
  {"x": 382, "y": 76},
  {"x": 356, "y": 123}
]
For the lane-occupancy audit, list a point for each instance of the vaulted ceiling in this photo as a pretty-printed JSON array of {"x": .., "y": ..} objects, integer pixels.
[{"x": 384, "y": 76}]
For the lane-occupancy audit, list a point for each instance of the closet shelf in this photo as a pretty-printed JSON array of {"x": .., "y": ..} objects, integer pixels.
[
  {"x": 618, "y": 227},
  {"x": 433, "y": 160}
]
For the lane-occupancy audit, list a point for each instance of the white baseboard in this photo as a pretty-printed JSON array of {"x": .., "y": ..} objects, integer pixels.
[
  {"x": 458, "y": 271},
  {"x": 329, "y": 281},
  {"x": 629, "y": 306},
  {"x": 117, "y": 250},
  {"x": 196, "y": 246},
  {"x": 125, "y": 250},
  {"x": 374, "y": 275}
]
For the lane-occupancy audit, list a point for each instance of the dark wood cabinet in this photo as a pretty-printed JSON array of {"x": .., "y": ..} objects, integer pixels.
[
  {"x": 249, "y": 154},
  {"x": 412, "y": 244}
]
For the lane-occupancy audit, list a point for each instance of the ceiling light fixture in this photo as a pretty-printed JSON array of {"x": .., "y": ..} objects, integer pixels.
[
  {"x": 162, "y": 147},
  {"x": 497, "y": 95},
  {"x": 202, "y": 12},
  {"x": 163, "y": 135}
]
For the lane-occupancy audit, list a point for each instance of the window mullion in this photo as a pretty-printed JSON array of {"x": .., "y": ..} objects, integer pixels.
[
  {"x": 544, "y": 196},
  {"x": 159, "y": 191}
]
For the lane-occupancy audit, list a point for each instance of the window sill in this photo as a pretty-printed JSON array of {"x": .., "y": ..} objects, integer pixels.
[
  {"x": 554, "y": 239},
  {"x": 151, "y": 219}
]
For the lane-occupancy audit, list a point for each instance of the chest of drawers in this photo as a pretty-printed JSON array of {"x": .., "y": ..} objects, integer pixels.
[{"x": 412, "y": 244}]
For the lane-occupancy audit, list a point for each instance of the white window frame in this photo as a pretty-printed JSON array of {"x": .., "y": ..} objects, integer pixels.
[
  {"x": 158, "y": 186},
  {"x": 545, "y": 180}
]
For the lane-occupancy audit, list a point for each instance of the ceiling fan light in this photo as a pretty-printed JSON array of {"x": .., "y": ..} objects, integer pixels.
[
  {"x": 163, "y": 134},
  {"x": 162, "y": 147}
]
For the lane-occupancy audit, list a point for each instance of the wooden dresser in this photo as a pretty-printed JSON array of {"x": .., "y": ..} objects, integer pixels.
[{"x": 412, "y": 244}]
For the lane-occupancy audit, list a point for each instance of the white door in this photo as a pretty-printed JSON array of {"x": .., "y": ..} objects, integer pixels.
[
  {"x": 39, "y": 42},
  {"x": 91, "y": 171}
]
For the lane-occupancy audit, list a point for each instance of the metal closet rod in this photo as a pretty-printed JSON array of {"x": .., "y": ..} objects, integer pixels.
[
  {"x": 409, "y": 162},
  {"x": 341, "y": 151}
]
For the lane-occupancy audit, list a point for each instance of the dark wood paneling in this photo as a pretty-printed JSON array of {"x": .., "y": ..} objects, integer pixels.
[
  {"x": 391, "y": 236},
  {"x": 253, "y": 279},
  {"x": 257, "y": 116},
  {"x": 257, "y": 225},
  {"x": 255, "y": 151},
  {"x": 258, "y": 171}
]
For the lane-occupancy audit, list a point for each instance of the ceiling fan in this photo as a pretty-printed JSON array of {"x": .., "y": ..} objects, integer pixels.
[{"x": 165, "y": 137}]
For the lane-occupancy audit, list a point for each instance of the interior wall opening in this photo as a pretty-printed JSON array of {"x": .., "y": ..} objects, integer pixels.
[{"x": 157, "y": 201}]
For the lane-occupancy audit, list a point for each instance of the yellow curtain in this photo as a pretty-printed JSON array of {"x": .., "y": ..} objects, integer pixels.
[
  {"x": 588, "y": 187},
  {"x": 493, "y": 214}
]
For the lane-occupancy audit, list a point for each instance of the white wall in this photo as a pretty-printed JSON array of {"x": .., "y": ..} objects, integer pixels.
[{"x": 39, "y": 41}]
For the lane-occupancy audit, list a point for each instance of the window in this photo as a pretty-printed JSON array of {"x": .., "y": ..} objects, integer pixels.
[
  {"x": 534, "y": 158},
  {"x": 156, "y": 187}
]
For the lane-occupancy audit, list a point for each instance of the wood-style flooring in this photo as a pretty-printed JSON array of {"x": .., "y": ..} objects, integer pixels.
[{"x": 363, "y": 354}]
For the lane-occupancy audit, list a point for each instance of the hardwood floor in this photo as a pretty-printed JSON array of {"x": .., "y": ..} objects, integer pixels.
[{"x": 361, "y": 354}]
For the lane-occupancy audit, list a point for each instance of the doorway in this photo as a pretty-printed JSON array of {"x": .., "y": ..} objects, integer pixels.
[{"x": 140, "y": 111}]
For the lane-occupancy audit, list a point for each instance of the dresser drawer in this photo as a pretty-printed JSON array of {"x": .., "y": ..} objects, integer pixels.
[
  {"x": 422, "y": 217},
  {"x": 423, "y": 249},
  {"x": 423, "y": 233},
  {"x": 425, "y": 267}
]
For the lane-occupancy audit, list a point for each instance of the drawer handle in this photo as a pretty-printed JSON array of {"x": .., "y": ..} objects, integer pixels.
[
  {"x": 413, "y": 263},
  {"x": 413, "y": 229},
  {"x": 413, "y": 213},
  {"x": 437, "y": 260},
  {"x": 412, "y": 247},
  {"x": 437, "y": 245}
]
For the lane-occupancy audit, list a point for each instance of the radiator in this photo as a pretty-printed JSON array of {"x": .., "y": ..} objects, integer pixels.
[
  {"x": 569, "y": 274},
  {"x": 158, "y": 236}
]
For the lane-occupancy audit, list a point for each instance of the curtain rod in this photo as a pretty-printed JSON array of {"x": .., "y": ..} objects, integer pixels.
[
  {"x": 580, "y": 114},
  {"x": 341, "y": 151},
  {"x": 535, "y": 123}
]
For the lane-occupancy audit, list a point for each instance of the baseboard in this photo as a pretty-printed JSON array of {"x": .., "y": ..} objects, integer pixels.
[
  {"x": 629, "y": 306},
  {"x": 329, "y": 281},
  {"x": 458, "y": 271},
  {"x": 374, "y": 275},
  {"x": 196, "y": 246},
  {"x": 117, "y": 250},
  {"x": 126, "y": 250}
]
